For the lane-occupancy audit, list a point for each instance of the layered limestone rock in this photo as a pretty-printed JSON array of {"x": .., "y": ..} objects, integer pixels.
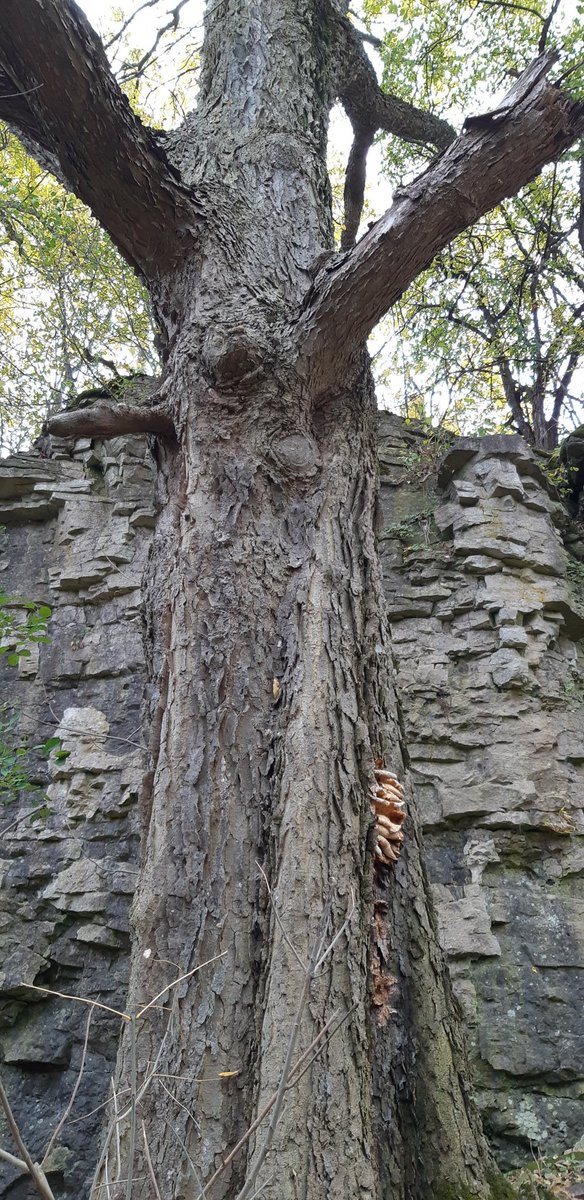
[
  {"x": 485, "y": 587},
  {"x": 486, "y": 606},
  {"x": 76, "y": 536}
]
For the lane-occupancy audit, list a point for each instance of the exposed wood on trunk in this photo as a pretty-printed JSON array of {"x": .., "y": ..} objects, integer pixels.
[
  {"x": 501, "y": 152},
  {"x": 59, "y": 89}
]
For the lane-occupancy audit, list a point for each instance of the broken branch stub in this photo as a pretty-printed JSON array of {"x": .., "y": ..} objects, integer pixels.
[{"x": 111, "y": 420}]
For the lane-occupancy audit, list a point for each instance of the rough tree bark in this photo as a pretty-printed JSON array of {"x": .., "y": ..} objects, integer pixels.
[{"x": 271, "y": 691}]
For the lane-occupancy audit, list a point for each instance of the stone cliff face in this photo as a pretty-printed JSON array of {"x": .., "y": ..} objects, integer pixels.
[
  {"x": 77, "y": 535},
  {"x": 487, "y": 618},
  {"x": 485, "y": 589}
]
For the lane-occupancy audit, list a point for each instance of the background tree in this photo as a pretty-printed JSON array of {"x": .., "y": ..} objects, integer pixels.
[
  {"x": 271, "y": 692},
  {"x": 491, "y": 334},
  {"x": 72, "y": 313},
  {"x": 494, "y": 330}
]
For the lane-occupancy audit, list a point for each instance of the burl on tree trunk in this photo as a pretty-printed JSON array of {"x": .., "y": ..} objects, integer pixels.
[{"x": 319, "y": 1051}]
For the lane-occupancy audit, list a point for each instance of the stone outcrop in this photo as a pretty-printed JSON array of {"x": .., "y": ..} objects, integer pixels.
[
  {"x": 485, "y": 588},
  {"x": 77, "y": 531},
  {"x": 486, "y": 607}
]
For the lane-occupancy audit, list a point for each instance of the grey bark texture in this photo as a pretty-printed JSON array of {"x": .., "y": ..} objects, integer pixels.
[{"x": 270, "y": 671}]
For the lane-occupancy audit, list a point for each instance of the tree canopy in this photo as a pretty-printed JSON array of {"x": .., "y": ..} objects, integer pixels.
[{"x": 489, "y": 337}]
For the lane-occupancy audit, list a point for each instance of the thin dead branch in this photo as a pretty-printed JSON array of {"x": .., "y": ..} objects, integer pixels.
[
  {"x": 34, "y": 1170},
  {"x": 319, "y": 952},
  {"x": 76, "y": 1087}
]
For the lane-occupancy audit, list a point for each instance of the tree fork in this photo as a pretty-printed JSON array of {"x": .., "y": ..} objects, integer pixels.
[{"x": 496, "y": 154}]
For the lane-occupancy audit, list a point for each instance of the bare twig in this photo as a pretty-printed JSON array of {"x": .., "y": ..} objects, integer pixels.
[
  {"x": 149, "y": 1163},
  {"x": 107, "y": 1181},
  {"x": 317, "y": 956},
  {"x": 118, "y": 1013},
  {"x": 98, "y": 1108},
  {"x": 135, "y": 1179},
  {"x": 319, "y": 1042},
  {"x": 104, "y": 1156},
  {"x": 180, "y": 979},
  {"x": 133, "y": 1106},
  {"x": 13, "y": 1160},
  {"x": 338, "y": 934},
  {"x": 268, "y": 1107},
  {"x": 287, "y": 940},
  {"x": 117, "y": 1129},
  {"x": 34, "y": 1170},
  {"x": 80, "y": 1000},
  {"x": 196, "y": 1176},
  {"x": 69, "y": 1106},
  {"x": 262, "y": 1187},
  {"x": 179, "y": 1103}
]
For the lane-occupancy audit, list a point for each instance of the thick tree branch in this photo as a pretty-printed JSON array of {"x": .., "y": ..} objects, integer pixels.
[
  {"x": 493, "y": 158},
  {"x": 354, "y": 194},
  {"x": 56, "y": 88},
  {"x": 106, "y": 420},
  {"x": 18, "y": 115},
  {"x": 370, "y": 108}
]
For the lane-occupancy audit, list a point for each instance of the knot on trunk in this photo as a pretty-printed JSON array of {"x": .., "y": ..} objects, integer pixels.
[
  {"x": 233, "y": 356},
  {"x": 297, "y": 455}
]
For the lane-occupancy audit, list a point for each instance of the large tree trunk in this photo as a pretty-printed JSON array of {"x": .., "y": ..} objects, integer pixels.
[
  {"x": 266, "y": 590},
  {"x": 270, "y": 657}
]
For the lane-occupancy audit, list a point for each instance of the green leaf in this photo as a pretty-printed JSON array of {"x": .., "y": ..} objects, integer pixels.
[{"x": 50, "y": 744}]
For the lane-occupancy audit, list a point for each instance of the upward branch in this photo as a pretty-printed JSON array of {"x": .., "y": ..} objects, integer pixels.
[
  {"x": 368, "y": 107},
  {"x": 57, "y": 91},
  {"x": 496, "y": 154}
]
